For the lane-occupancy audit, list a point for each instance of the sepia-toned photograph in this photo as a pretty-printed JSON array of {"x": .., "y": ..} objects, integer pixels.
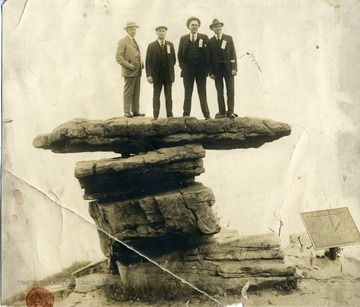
[{"x": 172, "y": 153}]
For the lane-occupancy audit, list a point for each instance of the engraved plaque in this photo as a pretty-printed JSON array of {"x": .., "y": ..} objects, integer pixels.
[{"x": 331, "y": 228}]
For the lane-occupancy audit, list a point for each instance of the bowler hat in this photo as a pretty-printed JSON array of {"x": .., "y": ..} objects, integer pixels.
[
  {"x": 131, "y": 24},
  {"x": 216, "y": 22},
  {"x": 161, "y": 27},
  {"x": 191, "y": 19}
]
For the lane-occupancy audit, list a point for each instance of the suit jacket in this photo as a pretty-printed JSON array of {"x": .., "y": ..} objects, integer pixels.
[
  {"x": 184, "y": 48},
  {"x": 128, "y": 53},
  {"x": 226, "y": 54},
  {"x": 152, "y": 62}
]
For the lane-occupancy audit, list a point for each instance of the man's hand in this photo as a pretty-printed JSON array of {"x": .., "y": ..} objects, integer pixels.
[
  {"x": 131, "y": 66},
  {"x": 234, "y": 72},
  {"x": 150, "y": 80},
  {"x": 212, "y": 77}
]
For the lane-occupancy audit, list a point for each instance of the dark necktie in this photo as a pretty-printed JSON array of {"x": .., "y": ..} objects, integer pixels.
[
  {"x": 193, "y": 38},
  {"x": 162, "y": 44},
  {"x": 219, "y": 39},
  {"x": 135, "y": 43}
]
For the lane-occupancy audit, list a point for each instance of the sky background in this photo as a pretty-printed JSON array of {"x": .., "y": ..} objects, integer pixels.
[{"x": 298, "y": 62}]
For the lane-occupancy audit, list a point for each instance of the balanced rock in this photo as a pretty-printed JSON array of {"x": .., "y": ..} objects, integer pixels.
[
  {"x": 147, "y": 205},
  {"x": 135, "y": 135}
]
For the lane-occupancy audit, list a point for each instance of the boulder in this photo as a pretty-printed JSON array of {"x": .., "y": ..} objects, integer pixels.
[
  {"x": 153, "y": 172},
  {"x": 135, "y": 135},
  {"x": 184, "y": 212},
  {"x": 257, "y": 259}
]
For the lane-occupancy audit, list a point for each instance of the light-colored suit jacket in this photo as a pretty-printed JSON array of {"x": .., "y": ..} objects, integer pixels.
[{"x": 128, "y": 56}]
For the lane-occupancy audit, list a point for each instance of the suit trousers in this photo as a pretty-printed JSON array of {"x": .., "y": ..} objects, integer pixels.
[
  {"x": 189, "y": 76},
  {"x": 131, "y": 94},
  {"x": 222, "y": 74},
  {"x": 168, "y": 99}
]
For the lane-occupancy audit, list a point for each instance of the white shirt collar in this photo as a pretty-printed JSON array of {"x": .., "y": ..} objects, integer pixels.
[
  {"x": 195, "y": 36},
  {"x": 216, "y": 36},
  {"x": 159, "y": 41}
]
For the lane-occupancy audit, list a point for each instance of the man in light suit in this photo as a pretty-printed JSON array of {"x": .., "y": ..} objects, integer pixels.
[
  {"x": 128, "y": 56},
  {"x": 160, "y": 62},
  {"x": 222, "y": 66},
  {"x": 192, "y": 56}
]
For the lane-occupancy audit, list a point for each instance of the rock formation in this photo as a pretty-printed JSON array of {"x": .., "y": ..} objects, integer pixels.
[
  {"x": 131, "y": 136},
  {"x": 146, "y": 201}
]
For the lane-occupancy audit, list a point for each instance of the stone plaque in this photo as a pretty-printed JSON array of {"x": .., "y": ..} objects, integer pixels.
[{"x": 331, "y": 228}]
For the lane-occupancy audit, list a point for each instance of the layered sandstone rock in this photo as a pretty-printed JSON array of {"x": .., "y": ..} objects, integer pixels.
[
  {"x": 131, "y": 136},
  {"x": 153, "y": 172},
  {"x": 147, "y": 205},
  {"x": 221, "y": 264}
]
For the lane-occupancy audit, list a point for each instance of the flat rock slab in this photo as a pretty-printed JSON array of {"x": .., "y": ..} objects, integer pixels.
[
  {"x": 153, "y": 172},
  {"x": 131, "y": 136},
  {"x": 185, "y": 211},
  {"x": 261, "y": 263}
]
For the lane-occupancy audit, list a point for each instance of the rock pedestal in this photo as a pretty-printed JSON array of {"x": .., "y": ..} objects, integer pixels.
[{"x": 147, "y": 199}]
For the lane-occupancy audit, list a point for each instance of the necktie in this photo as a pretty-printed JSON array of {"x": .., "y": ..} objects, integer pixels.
[
  {"x": 162, "y": 44},
  {"x": 135, "y": 43},
  {"x": 219, "y": 39},
  {"x": 193, "y": 38}
]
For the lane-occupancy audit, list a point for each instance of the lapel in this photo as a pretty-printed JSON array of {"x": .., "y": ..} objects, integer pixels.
[
  {"x": 187, "y": 41},
  {"x": 157, "y": 48},
  {"x": 131, "y": 42}
]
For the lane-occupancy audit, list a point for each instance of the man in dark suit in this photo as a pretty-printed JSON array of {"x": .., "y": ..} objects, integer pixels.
[
  {"x": 192, "y": 56},
  {"x": 160, "y": 62},
  {"x": 128, "y": 56},
  {"x": 222, "y": 65}
]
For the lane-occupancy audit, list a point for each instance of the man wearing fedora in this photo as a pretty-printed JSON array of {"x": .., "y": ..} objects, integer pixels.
[
  {"x": 128, "y": 56},
  {"x": 160, "y": 62},
  {"x": 222, "y": 66},
  {"x": 192, "y": 56}
]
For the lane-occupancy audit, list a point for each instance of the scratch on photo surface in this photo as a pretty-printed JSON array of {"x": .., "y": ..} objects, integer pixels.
[
  {"x": 22, "y": 13},
  {"x": 115, "y": 239},
  {"x": 253, "y": 59}
]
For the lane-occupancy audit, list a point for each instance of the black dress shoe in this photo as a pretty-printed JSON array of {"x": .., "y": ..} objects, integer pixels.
[
  {"x": 128, "y": 115},
  {"x": 231, "y": 115},
  {"x": 218, "y": 115},
  {"x": 207, "y": 117},
  {"x": 138, "y": 114}
]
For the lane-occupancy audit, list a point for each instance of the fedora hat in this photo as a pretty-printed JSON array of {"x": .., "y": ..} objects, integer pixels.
[
  {"x": 191, "y": 19},
  {"x": 216, "y": 22},
  {"x": 130, "y": 24},
  {"x": 161, "y": 27}
]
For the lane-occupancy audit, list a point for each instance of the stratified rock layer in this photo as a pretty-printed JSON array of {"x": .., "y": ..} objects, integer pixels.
[
  {"x": 131, "y": 136},
  {"x": 221, "y": 264},
  {"x": 147, "y": 204},
  {"x": 154, "y": 172},
  {"x": 185, "y": 212}
]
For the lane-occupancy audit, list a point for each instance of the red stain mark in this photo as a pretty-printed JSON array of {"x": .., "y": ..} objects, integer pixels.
[
  {"x": 39, "y": 297},
  {"x": 18, "y": 197}
]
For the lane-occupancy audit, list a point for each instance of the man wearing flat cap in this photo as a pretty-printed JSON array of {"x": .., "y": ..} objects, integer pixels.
[
  {"x": 192, "y": 56},
  {"x": 159, "y": 63},
  {"x": 128, "y": 56},
  {"x": 222, "y": 66}
]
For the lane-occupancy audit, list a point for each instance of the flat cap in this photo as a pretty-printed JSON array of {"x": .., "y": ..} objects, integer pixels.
[{"x": 161, "y": 27}]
